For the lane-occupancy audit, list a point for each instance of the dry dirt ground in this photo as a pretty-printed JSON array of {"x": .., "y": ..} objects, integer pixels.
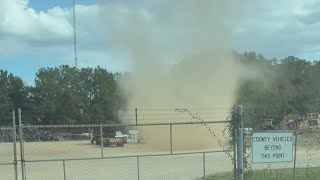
[
  {"x": 44, "y": 161},
  {"x": 150, "y": 167}
]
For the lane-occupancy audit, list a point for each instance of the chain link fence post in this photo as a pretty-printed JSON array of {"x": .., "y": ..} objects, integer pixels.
[
  {"x": 295, "y": 152},
  {"x": 14, "y": 145},
  {"x": 138, "y": 167},
  {"x": 64, "y": 170},
  {"x": 21, "y": 145},
  {"x": 235, "y": 155},
  {"x": 239, "y": 127},
  {"x": 234, "y": 143},
  {"x": 204, "y": 165},
  {"x": 136, "y": 113},
  {"x": 170, "y": 139},
  {"x": 101, "y": 141}
]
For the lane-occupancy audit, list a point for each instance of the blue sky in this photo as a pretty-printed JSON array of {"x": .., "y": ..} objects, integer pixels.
[
  {"x": 26, "y": 64},
  {"x": 16, "y": 66},
  {"x": 38, "y": 33},
  {"x": 43, "y": 5}
]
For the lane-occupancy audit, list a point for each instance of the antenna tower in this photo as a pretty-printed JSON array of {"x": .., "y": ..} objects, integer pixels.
[{"x": 75, "y": 35}]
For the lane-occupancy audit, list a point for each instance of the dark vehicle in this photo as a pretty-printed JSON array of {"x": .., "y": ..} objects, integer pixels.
[
  {"x": 108, "y": 141},
  {"x": 267, "y": 124}
]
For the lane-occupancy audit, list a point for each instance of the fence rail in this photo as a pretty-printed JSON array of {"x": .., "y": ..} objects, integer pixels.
[{"x": 117, "y": 125}]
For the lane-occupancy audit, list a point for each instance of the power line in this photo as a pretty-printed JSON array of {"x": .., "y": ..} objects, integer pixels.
[{"x": 75, "y": 35}]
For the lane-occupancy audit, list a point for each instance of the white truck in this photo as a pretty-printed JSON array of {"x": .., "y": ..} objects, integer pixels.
[
  {"x": 121, "y": 136},
  {"x": 136, "y": 135}
]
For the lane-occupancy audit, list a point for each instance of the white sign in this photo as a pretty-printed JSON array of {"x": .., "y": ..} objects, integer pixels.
[{"x": 272, "y": 147}]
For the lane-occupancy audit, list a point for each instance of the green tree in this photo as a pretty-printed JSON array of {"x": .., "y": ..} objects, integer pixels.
[
  {"x": 68, "y": 95},
  {"x": 13, "y": 95}
]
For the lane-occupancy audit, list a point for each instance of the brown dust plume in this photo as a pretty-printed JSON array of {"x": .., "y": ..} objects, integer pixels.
[{"x": 180, "y": 56}]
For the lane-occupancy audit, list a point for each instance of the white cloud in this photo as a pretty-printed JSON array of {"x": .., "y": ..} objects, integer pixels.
[
  {"x": 282, "y": 28},
  {"x": 309, "y": 12},
  {"x": 274, "y": 28},
  {"x": 19, "y": 20},
  {"x": 48, "y": 35}
]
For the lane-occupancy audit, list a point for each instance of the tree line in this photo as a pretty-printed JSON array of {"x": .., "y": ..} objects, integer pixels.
[
  {"x": 62, "y": 95},
  {"x": 289, "y": 86},
  {"x": 67, "y": 95}
]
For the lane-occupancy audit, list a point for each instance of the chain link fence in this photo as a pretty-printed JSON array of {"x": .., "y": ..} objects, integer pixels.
[
  {"x": 151, "y": 144},
  {"x": 7, "y": 162},
  {"x": 308, "y": 154},
  {"x": 6, "y": 139},
  {"x": 145, "y": 151},
  {"x": 191, "y": 147}
]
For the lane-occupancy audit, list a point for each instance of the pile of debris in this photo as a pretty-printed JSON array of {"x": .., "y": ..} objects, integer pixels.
[
  {"x": 6, "y": 135},
  {"x": 29, "y": 135},
  {"x": 35, "y": 134}
]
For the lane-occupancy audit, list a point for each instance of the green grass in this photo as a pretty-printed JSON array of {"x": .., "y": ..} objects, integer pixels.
[{"x": 311, "y": 173}]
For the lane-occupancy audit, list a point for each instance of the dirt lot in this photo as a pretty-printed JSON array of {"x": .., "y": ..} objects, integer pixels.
[
  {"x": 51, "y": 154},
  {"x": 79, "y": 159},
  {"x": 155, "y": 167}
]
